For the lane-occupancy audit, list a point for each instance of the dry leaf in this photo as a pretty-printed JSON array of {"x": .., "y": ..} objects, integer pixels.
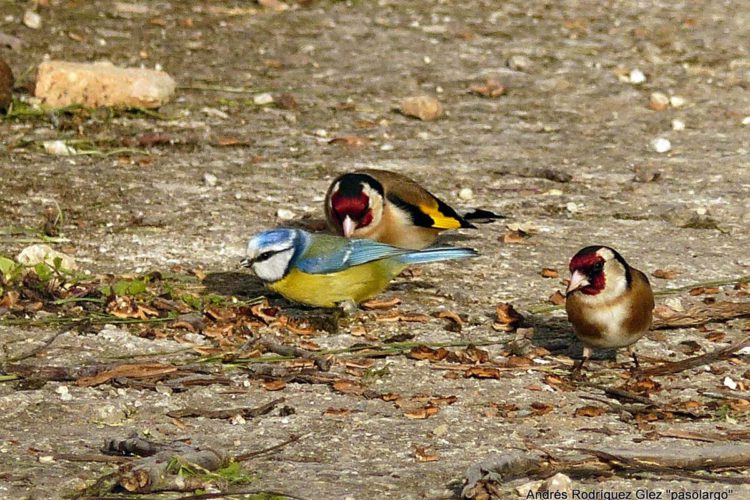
[
  {"x": 126, "y": 307},
  {"x": 146, "y": 370},
  {"x": 539, "y": 409},
  {"x": 514, "y": 237},
  {"x": 483, "y": 372},
  {"x": 644, "y": 386},
  {"x": 390, "y": 396},
  {"x": 380, "y": 304},
  {"x": 422, "y": 413},
  {"x": 350, "y": 140},
  {"x": 364, "y": 363},
  {"x": 423, "y": 455},
  {"x": 548, "y": 272},
  {"x": 491, "y": 88},
  {"x": 345, "y": 386},
  {"x": 518, "y": 362},
  {"x": 507, "y": 318},
  {"x": 557, "y": 298},
  {"x": 424, "y": 107},
  {"x": 274, "y": 385},
  {"x": 424, "y": 352},
  {"x": 702, "y": 290},
  {"x": 274, "y": 5},
  {"x": 456, "y": 321},
  {"x": 665, "y": 274},
  {"x": 589, "y": 411},
  {"x": 337, "y": 412}
]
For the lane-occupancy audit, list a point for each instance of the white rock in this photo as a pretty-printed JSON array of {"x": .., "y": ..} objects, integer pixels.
[
  {"x": 636, "y": 76},
  {"x": 65, "y": 395},
  {"x": 675, "y": 304},
  {"x": 554, "y": 192},
  {"x": 661, "y": 145},
  {"x": 215, "y": 112},
  {"x": 210, "y": 179},
  {"x": 62, "y": 83},
  {"x": 285, "y": 214},
  {"x": 46, "y": 459},
  {"x": 746, "y": 120},
  {"x": 466, "y": 194},
  {"x": 676, "y": 101},
  {"x": 321, "y": 132},
  {"x": 58, "y": 148},
  {"x": 571, "y": 207},
  {"x": 728, "y": 382},
  {"x": 558, "y": 483},
  {"x": 237, "y": 420},
  {"x": 32, "y": 20},
  {"x": 263, "y": 99},
  {"x": 35, "y": 254},
  {"x": 131, "y": 8},
  {"x": 678, "y": 125},
  {"x": 387, "y": 147},
  {"x": 519, "y": 62}
]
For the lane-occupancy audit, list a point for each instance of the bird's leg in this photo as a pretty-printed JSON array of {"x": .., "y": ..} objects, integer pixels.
[
  {"x": 579, "y": 364},
  {"x": 637, "y": 365},
  {"x": 348, "y": 308}
]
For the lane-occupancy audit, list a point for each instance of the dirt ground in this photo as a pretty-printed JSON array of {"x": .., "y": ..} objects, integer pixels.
[{"x": 570, "y": 107}]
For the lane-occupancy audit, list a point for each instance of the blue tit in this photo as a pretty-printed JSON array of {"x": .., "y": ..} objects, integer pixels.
[{"x": 325, "y": 271}]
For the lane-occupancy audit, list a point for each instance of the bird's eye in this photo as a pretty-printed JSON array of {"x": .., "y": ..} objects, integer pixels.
[
  {"x": 598, "y": 267},
  {"x": 264, "y": 256}
]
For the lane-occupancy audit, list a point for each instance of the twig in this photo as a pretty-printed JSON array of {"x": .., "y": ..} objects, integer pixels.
[
  {"x": 228, "y": 413},
  {"x": 253, "y": 454},
  {"x": 703, "y": 359}
]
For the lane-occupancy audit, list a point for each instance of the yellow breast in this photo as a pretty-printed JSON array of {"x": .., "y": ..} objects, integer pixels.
[{"x": 356, "y": 284}]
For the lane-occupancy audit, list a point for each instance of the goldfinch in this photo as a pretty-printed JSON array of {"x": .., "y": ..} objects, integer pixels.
[
  {"x": 609, "y": 303},
  {"x": 328, "y": 271},
  {"x": 391, "y": 208}
]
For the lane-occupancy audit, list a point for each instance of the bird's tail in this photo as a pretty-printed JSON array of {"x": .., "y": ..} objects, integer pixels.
[
  {"x": 481, "y": 216},
  {"x": 436, "y": 254}
]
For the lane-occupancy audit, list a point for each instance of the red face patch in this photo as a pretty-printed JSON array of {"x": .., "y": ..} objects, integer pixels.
[
  {"x": 592, "y": 266},
  {"x": 356, "y": 207}
]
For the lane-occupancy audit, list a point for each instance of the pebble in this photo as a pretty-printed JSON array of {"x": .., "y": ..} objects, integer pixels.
[
  {"x": 466, "y": 194},
  {"x": 659, "y": 101},
  {"x": 519, "y": 62},
  {"x": 285, "y": 214},
  {"x": 728, "y": 382},
  {"x": 676, "y": 101},
  {"x": 554, "y": 192},
  {"x": 46, "y": 459},
  {"x": 65, "y": 395},
  {"x": 58, "y": 148},
  {"x": 32, "y": 20},
  {"x": 424, "y": 107},
  {"x": 387, "y": 147},
  {"x": 559, "y": 483},
  {"x": 678, "y": 125},
  {"x": 38, "y": 253},
  {"x": 661, "y": 145},
  {"x": 746, "y": 120},
  {"x": 63, "y": 83},
  {"x": 321, "y": 132},
  {"x": 263, "y": 99},
  {"x": 210, "y": 179},
  {"x": 636, "y": 76},
  {"x": 571, "y": 207}
]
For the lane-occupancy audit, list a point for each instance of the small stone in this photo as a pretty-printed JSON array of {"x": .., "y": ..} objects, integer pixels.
[
  {"x": 571, "y": 207},
  {"x": 46, "y": 459},
  {"x": 728, "y": 382},
  {"x": 525, "y": 489},
  {"x": 62, "y": 83},
  {"x": 440, "y": 430},
  {"x": 661, "y": 145},
  {"x": 424, "y": 107},
  {"x": 636, "y": 76},
  {"x": 237, "y": 420},
  {"x": 285, "y": 214},
  {"x": 559, "y": 483},
  {"x": 466, "y": 194},
  {"x": 217, "y": 113},
  {"x": 554, "y": 192},
  {"x": 36, "y": 254},
  {"x": 519, "y": 62},
  {"x": 676, "y": 101},
  {"x": 65, "y": 395},
  {"x": 210, "y": 179},
  {"x": 263, "y": 99},
  {"x": 32, "y": 20},
  {"x": 675, "y": 304},
  {"x": 58, "y": 148},
  {"x": 387, "y": 147},
  {"x": 658, "y": 101},
  {"x": 321, "y": 132},
  {"x": 678, "y": 125},
  {"x": 746, "y": 120}
]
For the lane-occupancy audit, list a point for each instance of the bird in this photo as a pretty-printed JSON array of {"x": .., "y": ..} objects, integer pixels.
[
  {"x": 391, "y": 208},
  {"x": 609, "y": 303},
  {"x": 322, "y": 270}
]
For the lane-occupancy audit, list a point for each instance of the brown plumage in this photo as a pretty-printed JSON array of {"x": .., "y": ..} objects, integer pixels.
[
  {"x": 609, "y": 303},
  {"x": 390, "y": 208}
]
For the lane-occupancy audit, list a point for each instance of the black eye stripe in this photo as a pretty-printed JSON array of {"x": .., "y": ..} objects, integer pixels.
[{"x": 266, "y": 255}]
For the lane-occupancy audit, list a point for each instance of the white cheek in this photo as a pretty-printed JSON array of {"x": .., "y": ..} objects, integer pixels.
[{"x": 274, "y": 268}]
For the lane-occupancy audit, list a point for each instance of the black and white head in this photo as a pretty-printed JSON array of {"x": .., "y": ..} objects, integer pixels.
[
  {"x": 599, "y": 273},
  {"x": 271, "y": 253}
]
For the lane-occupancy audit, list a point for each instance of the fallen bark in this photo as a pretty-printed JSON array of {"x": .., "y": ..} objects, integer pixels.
[{"x": 703, "y": 359}]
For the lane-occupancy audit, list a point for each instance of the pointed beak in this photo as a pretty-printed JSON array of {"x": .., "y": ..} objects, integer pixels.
[
  {"x": 578, "y": 280},
  {"x": 348, "y": 226},
  {"x": 246, "y": 262}
]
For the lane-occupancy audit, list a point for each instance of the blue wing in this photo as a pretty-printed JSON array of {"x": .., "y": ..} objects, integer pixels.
[{"x": 330, "y": 254}]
